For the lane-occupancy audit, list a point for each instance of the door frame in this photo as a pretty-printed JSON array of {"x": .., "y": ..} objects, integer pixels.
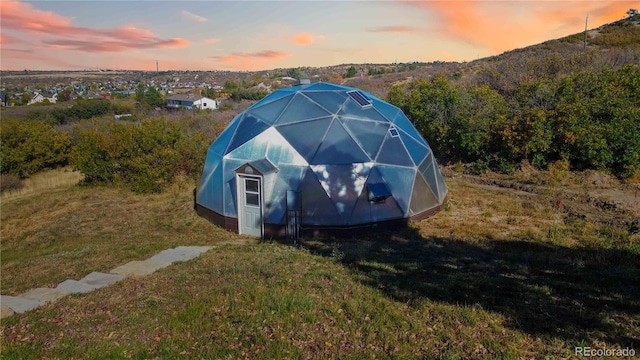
[{"x": 241, "y": 201}]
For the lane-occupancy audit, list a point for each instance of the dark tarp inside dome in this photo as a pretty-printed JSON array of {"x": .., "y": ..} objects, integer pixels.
[{"x": 318, "y": 156}]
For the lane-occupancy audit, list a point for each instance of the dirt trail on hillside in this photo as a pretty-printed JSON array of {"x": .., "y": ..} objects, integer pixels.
[
  {"x": 619, "y": 197},
  {"x": 593, "y": 198}
]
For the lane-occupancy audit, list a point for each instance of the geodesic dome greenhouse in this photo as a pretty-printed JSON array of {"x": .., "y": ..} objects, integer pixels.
[{"x": 318, "y": 156}]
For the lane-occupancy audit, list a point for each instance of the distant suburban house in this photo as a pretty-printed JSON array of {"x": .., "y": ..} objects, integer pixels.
[
  {"x": 191, "y": 101},
  {"x": 40, "y": 96},
  {"x": 127, "y": 92}
]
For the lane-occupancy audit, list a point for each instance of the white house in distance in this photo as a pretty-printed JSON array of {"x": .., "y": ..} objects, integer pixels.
[
  {"x": 42, "y": 96},
  {"x": 191, "y": 101}
]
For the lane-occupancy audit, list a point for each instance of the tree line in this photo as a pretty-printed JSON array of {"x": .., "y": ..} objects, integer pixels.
[
  {"x": 143, "y": 155},
  {"x": 590, "y": 118}
]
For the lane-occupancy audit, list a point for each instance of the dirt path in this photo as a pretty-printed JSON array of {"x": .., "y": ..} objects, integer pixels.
[{"x": 623, "y": 198}]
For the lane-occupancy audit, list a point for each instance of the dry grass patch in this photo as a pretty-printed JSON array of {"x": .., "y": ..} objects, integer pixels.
[
  {"x": 66, "y": 233},
  {"x": 44, "y": 182},
  {"x": 476, "y": 211},
  {"x": 258, "y": 302},
  {"x": 481, "y": 279}
]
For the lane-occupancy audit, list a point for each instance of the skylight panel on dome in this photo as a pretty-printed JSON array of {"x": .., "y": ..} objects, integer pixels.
[
  {"x": 394, "y": 132},
  {"x": 360, "y": 98}
]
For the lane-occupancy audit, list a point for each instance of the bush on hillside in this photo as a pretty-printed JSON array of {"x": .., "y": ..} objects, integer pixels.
[
  {"x": 589, "y": 118},
  {"x": 82, "y": 109},
  {"x": 31, "y": 146},
  {"x": 617, "y": 36},
  {"x": 247, "y": 94},
  {"x": 10, "y": 182},
  {"x": 144, "y": 157}
]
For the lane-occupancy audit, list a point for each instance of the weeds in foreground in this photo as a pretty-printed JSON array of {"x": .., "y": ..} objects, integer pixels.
[
  {"x": 9, "y": 183},
  {"x": 557, "y": 177},
  {"x": 458, "y": 285}
]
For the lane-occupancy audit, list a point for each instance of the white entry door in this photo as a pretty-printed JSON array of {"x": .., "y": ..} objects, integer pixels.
[{"x": 250, "y": 205}]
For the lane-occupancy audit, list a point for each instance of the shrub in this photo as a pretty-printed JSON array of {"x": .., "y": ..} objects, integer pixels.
[
  {"x": 247, "y": 94},
  {"x": 122, "y": 108},
  {"x": 32, "y": 146},
  {"x": 590, "y": 118},
  {"x": 82, "y": 109},
  {"x": 10, "y": 183},
  {"x": 144, "y": 157}
]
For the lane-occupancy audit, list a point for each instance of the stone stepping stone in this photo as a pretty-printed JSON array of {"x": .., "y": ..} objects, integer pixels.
[
  {"x": 100, "y": 280},
  {"x": 44, "y": 295},
  {"x": 5, "y": 312},
  {"x": 75, "y": 287},
  {"x": 140, "y": 268},
  {"x": 181, "y": 253},
  {"x": 9, "y": 305},
  {"x": 19, "y": 304}
]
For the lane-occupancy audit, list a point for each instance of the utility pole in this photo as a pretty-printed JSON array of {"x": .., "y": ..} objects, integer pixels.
[
  {"x": 585, "y": 33},
  {"x": 156, "y": 65}
]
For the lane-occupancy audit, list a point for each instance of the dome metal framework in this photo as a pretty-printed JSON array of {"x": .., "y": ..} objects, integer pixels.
[{"x": 319, "y": 156}]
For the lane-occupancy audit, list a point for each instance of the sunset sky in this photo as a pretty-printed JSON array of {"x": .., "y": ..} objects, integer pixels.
[{"x": 257, "y": 35}]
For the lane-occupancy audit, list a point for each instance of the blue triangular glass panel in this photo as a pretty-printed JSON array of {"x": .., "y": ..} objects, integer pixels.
[
  {"x": 327, "y": 86},
  {"x": 393, "y": 152},
  {"x": 387, "y": 110},
  {"x": 399, "y": 180},
  {"x": 417, "y": 150},
  {"x": 361, "y": 213},
  {"x": 317, "y": 208},
  {"x": 403, "y": 123},
  {"x": 366, "y": 212},
  {"x": 220, "y": 144},
  {"x": 280, "y": 93},
  {"x": 338, "y": 147},
  {"x": 426, "y": 169},
  {"x": 305, "y": 137},
  {"x": 253, "y": 149},
  {"x": 293, "y": 175},
  {"x": 288, "y": 178},
  {"x": 229, "y": 186},
  {"x": 210, "y": 165},
  {"x": 330, "y": 100},
  {"x": 422, "y": 197},
  {"x": 270, "y": 111},
  {"x": 372, "y": 97},
  {"x": 343, "y": 184},
  {"x": 280, "y": 151},
  {"x": 248, "y": 128},
  {"x": 276, "y": 206},
  {"x": 368, "y": 134},
  {"x": 442, "y": 186},
  {"x": 210, "y": 194},
  {"x": 300, "y": 109},
  {"x": 351, "y": 109}
]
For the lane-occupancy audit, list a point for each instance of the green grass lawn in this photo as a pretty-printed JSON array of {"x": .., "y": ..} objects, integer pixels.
[{"x": 453, "y": 286}]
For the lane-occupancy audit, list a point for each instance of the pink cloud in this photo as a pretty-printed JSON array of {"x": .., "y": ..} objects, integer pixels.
[
  {"x": 17, "y": 59},
  {"x": 393, "y": 29},
  {"x": 250, "y": 61},
  {"x": 500, "y": 26},
  {"x": 305, "y": 39},
  {"x": 22, "y": 17},
  {"x": 113, "y": 46},
  {"x": 210, "y": 41},
  {"x": 265, "y": 54},
  {"x": 20, "y": 51},
  {"x": 193, "y": 17}
]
